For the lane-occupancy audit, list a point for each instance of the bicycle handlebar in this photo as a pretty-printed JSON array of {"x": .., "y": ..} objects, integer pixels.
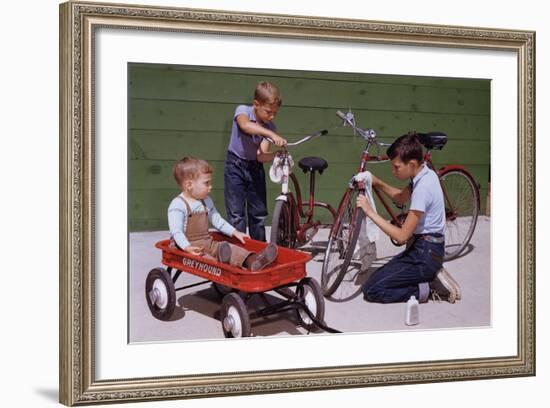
[
  {"x": 341, "y": 115},
  {"x": 367, "y": 134},
  {"x": 304, "y": 139}
]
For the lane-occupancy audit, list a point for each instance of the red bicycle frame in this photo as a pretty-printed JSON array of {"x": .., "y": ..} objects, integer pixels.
[{"x": 298, "y": 206}]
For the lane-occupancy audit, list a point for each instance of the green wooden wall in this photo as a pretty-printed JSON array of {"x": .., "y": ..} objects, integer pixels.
[{"x": 174, "y": 111}]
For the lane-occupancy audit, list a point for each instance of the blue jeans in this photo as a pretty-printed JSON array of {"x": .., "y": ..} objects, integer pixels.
[
  {"x": 407, "y": 274},
  {"x": 245, "y": 191}
]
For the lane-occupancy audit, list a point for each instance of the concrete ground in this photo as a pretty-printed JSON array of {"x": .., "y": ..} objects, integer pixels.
[{"x": 197, "y": 314}]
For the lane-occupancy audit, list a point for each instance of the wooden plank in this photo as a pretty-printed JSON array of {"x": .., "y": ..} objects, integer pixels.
[
  {"x": 172, "y": 145},
  {"x": 320, "y": 93},
  {"x": 328, "y": 189},
  {"x": 342, "y": 164},
  {"x": 208, "y": 117},
  {"x": 147, "y": 224},
  {"x": 153, "y": 174},
  {"x": 388, "y": 125},
  {"x": 467, "y": 83}
]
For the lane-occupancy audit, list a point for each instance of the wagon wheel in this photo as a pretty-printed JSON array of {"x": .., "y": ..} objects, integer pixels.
[
  {"x": 160, "y": 293},
  {"x": 235, "y": 318},
  {"x": 221, "y": 290},
  {"x": 312, "y": 295}
]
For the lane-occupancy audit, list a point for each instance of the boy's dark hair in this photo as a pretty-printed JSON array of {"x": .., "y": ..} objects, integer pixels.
[
  {"x": 407, "y": 148},
  {"x": 268, "y": 93},
  {"x": 189, "y": 168}
]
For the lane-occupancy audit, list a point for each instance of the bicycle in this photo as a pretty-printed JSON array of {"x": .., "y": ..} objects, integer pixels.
[
  {"x": 291, "y": 226},
  {"x": 461, "y": 195}
]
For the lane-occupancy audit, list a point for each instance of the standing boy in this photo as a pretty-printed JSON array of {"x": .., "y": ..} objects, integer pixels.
[
  {"x": 244, "y": 176},
  {"x": 418, "y": 270}
]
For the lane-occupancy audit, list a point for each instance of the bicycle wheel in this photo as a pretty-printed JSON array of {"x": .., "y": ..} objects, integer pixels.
[
  {"x": 461, "y": 210},
  {"x": 282, "y": 232},
  {"x": 341, "y": 243}
]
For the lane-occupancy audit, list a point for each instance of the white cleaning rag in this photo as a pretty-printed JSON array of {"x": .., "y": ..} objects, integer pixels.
[
  {"x": 372, "y": 231},
  {"x": 365, "y": 250},
  {"x": 276, "y": 169}
]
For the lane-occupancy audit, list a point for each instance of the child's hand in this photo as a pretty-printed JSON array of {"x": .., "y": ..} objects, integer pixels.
[
  {"x": 363, "y": 202},
  {"x": 194, "y": 250},
  {"x": 278, "y": 140},
  {"x": 240, "y": 235}
]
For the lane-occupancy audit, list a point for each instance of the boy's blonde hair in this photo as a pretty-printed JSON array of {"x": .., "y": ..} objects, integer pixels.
[
  {"x": 268, "y": 93},
  {"x": 189, "y": 168}
]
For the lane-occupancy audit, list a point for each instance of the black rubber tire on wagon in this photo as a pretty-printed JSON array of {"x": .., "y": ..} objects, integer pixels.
[
  {"x": 234, "y": 317},
  {"x": 160, "y": 293},
  {"x": 313, "y": 298}
]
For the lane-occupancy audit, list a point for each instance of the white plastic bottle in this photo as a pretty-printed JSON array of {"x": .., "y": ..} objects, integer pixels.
[{"x": 413, "y": 315}]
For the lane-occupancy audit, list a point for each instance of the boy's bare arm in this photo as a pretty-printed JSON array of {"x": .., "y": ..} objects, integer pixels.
[
  {"x": 397, "y": 195},
  {"x": 400, "y": 234},
  {"x": 264, "y": 155},
  {"x": 252, "y": 128}
]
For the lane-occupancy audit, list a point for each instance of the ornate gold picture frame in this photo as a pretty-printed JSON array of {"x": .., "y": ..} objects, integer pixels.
[{"x": 79, "y": 23}]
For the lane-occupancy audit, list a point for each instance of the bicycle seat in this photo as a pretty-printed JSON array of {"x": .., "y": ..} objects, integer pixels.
[
  {"x": 312, "y": 164},
  {"x": 433, "y": 140}
]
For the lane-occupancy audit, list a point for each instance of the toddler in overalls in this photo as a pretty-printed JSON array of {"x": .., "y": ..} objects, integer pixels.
[{"x": 190, "y": 212}]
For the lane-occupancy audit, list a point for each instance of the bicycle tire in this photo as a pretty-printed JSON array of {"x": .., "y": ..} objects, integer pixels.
[
  {"x": 462, "y": 212},
  {"x": 340, "y": 243},
  {"x": 281, "y": 225}
]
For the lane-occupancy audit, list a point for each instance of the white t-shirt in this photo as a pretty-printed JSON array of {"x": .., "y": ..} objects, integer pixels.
[{"x": 427, "y": 196}]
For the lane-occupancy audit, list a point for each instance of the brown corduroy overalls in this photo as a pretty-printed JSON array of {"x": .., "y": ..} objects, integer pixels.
[{"x": 197, "y": 234}]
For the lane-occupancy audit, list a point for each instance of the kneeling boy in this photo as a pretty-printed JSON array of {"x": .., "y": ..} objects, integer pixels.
[{"x": 418, "y": 270}]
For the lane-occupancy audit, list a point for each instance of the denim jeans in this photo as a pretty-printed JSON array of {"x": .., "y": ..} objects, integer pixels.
[
  {"x": 404, "y": 274},
  {"x": 245, "y": 195}
]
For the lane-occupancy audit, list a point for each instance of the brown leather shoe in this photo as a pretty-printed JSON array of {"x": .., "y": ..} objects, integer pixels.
[
  {"x": 264, "y": 258},
  {"x": 224, "y": 252}
]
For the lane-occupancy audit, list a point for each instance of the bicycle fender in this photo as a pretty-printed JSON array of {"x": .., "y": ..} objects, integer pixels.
[
  {"x": 458, "y": 167},
  {"x": 451, "y": 167}
]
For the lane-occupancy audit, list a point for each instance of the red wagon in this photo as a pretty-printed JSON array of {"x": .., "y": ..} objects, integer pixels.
[{"x": 238, "y": 285}]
